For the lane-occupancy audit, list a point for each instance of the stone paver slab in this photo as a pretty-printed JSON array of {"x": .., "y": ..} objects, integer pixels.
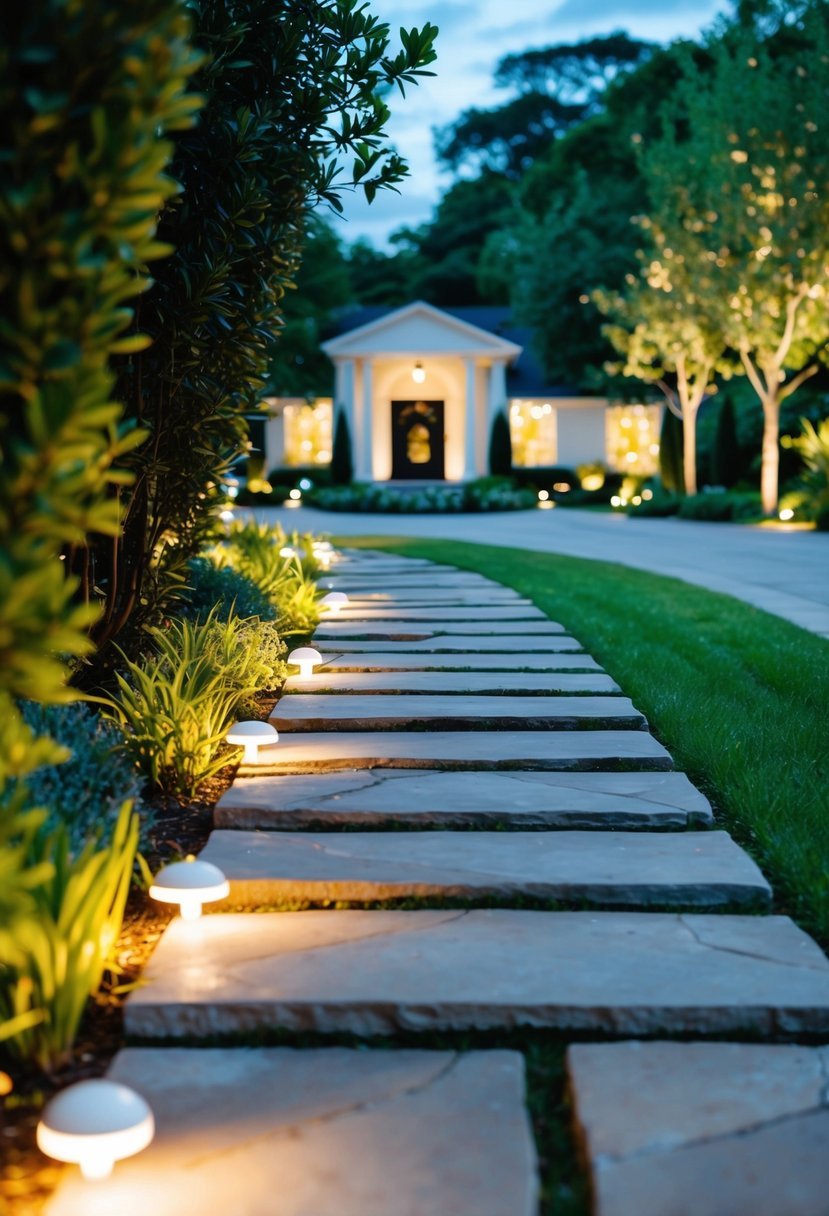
[
  {"x": 600, "y": 869},
  {"x": 537, "y": 641},
  {"x": 468, "y": 613},
  {"x": 445, "y": 799},
  {"x": 404, "y": 659},
  {"x": 380, "y": 972},
  {"x": 322, "y": 1132},
  {"x": 419, "y": 597},
  {"x": 357, "y": 711},
  {"x": 576, "y": 750},
  {"x": 507, "y": 632},
  {"x": 450, "y": 682},
  {"x": 704, "y": 1129}
]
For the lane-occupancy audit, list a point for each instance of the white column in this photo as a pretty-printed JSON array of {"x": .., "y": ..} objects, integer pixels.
[
  {"x": 469, "y": 463},
  {"x": 366, "y": 442}
]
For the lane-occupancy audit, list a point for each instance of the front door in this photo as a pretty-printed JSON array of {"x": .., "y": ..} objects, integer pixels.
[{"x": 417, "y": 440}]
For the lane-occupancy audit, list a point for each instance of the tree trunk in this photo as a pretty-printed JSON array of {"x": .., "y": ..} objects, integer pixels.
[
  {"x": 771, "y": 454},
  {"x": 689, "y": 446}
]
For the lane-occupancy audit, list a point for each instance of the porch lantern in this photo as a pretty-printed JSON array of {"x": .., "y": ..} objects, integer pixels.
[
  {"x": 190, "y": 884},
  {"x": 251, "y": 736},
  {"x": 334, "y": 601},
  {"x": 305, "y": 658},
  {"x": 418, "y": 373},
  {"x": 93, "y": 1124}
]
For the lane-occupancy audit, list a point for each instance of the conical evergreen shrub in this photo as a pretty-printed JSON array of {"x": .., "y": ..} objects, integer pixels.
[
  {"x": 725, "y": 454},
  {"x": 342, "y": 464},
  {"x": 670, "y": 453},
  {"x": 500, "y": 446}
]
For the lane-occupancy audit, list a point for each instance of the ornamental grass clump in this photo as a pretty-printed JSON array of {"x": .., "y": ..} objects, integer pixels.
[
  {"x": 176, "y": 704},
  {"x": 65, "y": 933}
]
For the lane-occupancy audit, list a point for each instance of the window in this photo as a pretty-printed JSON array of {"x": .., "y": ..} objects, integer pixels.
[
  {"x": 308, "y": 433},
  {"x": 532, "y": 426},
  {"x": 632, "y": 438}
]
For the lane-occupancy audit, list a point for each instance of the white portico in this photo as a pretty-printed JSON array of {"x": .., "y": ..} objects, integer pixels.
[{"x": 419, "y": 389}]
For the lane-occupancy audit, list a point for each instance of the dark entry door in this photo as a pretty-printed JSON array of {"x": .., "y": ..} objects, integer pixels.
[{"x": 417, "y": 439}]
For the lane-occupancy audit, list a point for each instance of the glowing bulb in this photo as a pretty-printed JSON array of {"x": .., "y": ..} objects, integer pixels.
[
  {"x": 334, "y": 601},
  {"x": 418, "y": 373},
  {"x": 226, "y": 516},
  {"x": 543, "y": 495},
  {"x": 295, "y": 495},
  {"x": 786, "y": 514},
  {"x": 94, "y": 1124},
  {"x": 615, "y": 501}
]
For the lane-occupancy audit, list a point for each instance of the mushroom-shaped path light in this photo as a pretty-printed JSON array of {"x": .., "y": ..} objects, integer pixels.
[
  {"x": 251, "y": 736},
  {"x": 306, "y": 659},
  {"x": 190, "y": 884},
  {"x": 334, "y": 601},
  {"x": 95, "y": 1124}
]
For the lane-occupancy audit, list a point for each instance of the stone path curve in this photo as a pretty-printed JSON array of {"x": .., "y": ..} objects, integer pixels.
[{"x": 610, "y": 909}]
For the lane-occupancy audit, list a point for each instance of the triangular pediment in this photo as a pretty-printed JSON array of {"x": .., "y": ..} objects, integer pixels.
[{"x": 419, "y": 329}]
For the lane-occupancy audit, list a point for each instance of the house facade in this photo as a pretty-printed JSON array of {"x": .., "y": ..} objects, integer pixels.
[{"x": 420, "y": 387}]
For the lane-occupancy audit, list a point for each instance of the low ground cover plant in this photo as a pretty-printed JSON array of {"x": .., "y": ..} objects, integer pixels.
[{"x": 485, "y": 494}]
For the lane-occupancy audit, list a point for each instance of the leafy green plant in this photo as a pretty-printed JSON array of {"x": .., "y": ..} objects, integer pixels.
[
  {"x": 721, "y": 506},
  {"x": 255, "y": 550},
  {"x": 176, "y": 704},
  {"x": 87, "y": 790},
  {"x": 224, "y": 591},
  {"x": 810, "y": 497},
  {"x": 66, "y": 941}
]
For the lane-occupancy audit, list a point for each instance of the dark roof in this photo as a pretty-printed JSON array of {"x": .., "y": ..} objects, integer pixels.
[{"x": 525, "y": 378}]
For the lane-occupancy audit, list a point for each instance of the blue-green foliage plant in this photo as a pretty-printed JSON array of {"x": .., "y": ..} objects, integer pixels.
[
  {"x": 223, "y": 591},
  {"x": 85, "y": 792}
]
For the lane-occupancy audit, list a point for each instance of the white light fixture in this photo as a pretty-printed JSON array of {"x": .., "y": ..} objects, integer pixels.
[
  {"x": 786, "y": 514},
  {"x": 227, "y": 516},
  {"x": 290, "y": 551},
  {"x": 251, "y": 736},
  {"x": 295, "y": 495},
  {"x": 334, "y": 601},
  {"x": 94, "y": 1124},
  {"x": 189, "y": 884},
  {"x": 418, "y": 373},
  {"x": 305, "y": 658},
  {"x": 543, "y": 495}
]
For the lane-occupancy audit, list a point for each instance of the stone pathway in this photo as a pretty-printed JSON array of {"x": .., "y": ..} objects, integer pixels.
[{"x": 430, "y": 715}]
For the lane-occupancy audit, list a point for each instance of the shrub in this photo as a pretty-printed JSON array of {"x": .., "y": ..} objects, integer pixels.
[
  {"x": 86, "y": 791},
  {"x": 725, "y": 453},
  {"x": 658, "y": 507},
  {"x": 224, "y": 591},
  {"x": 721, "y": 506},
  {"x": 176, "y": 704},
  {"x": 254, "y": 550},
  {"x": 66, "y": 940},
  {"x": 546, "y": 477},
  {"x": 485, "y": 494},
  {"x": 500, "y": 446},
  {"x": 342, "y": 462},
  {"x": 810, "y": 496}
]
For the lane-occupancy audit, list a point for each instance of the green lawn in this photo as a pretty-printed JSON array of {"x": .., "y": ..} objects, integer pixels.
[{"x": 739, "y": 697}]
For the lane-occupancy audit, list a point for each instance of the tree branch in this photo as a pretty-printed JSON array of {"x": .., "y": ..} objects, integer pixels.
[{"x": 796, "y": 381}]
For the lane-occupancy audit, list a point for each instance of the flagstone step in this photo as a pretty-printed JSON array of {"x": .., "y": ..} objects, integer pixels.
[
  {"x": 703, "y": 1129},
  {"x": 356, "y": 711},
  {"x": 467, "y": 799},
  {"x": 404, "y": 659},
  {"x": 508, "y": 632},
  {"x": 541, "y": 640},
  {"x": 320, "y": 1132},
  {"x": 467, "y": 613},
  {"x": 590, "y": 751},
  {"x": 450, "y": 683},
  {"x": 597, "y": 869},
  {"x": 381, "y": 972}
]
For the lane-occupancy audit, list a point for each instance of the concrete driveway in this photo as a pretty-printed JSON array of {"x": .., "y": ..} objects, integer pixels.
[{"x": 785, "y": 572}]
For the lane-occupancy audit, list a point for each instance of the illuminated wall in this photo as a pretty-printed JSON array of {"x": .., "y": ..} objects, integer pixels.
[
  {"x": 632, "y": 438},
  {"x": 308, "y": 432}
]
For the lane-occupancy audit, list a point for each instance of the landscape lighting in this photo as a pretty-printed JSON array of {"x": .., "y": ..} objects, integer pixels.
[
  {"x": 305, "y": 658},
  {"x": 251, "y": 736},
  {"x": 334, "y": 601},
  {"x": 93, "y": 1124},
  {"x": 190, "y": 884}
]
